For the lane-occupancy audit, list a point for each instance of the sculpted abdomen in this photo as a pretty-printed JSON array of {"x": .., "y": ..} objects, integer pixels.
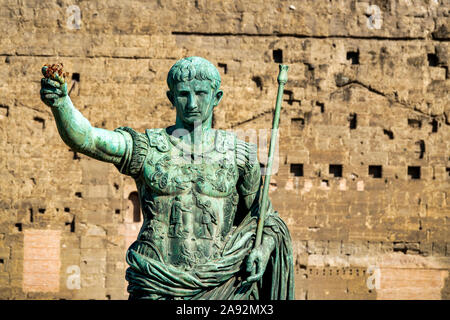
[{"x": 191, "y": 228}]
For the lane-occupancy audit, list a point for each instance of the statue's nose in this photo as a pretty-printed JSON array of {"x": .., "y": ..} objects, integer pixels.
[{"x": 192, "y": 104}]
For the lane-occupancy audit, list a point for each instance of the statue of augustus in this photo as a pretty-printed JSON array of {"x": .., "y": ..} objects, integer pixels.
[{"x": 199, "y": 190}]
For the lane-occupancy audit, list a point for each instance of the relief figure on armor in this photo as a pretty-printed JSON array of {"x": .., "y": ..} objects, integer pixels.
[
  {"x": 199, "y": 189},
  {"x": 176, "y": 219},
  {"x": 208, "y": 219}
]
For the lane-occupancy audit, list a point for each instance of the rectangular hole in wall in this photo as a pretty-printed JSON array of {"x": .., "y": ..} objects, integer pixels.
[
  {"x": 258, "y": 82},
  {"x": 224, "y": 67},
  {"x": 288, "y": 96},
  {"x": 298, "y": 123},
  {"x": 75, "y": 83},
  {"x": 40, "y": 120},
  {"x": 447, "y": 74},
  {"x": 415, "y": 123},
  {"x": 414, "y": 172},
  {"x": 352, "y": 118},
  {"x": 448, "y": 171},
  {"x": 71, "y": 225},
  {"x": 434, "y": 126},
  {"x": 353, "y": 56},
  {"x": 321, "y": 106},
  {"x": 296, "y": 169},
  {"x": 76, "y": 76},
  {"x": 277, "y": 55},
  {"x": 18, "y": 227},
  {"x": 4, "y": 111},
  {"x": 376, "y": 171},
  {"x": 335, "y": 170},
  {"x": 421, "y": 150},
  {"x": 389, "y": 133},
  {"x": 433, "y": 60}
]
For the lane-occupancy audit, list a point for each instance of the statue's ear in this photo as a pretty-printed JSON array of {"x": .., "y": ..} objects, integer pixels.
[
  {"x": 170, "y": 97},
  {"x": 219, "y": 95}
]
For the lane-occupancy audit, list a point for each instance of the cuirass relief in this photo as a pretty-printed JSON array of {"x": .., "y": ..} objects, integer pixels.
[{"x": 188, "y": 198}]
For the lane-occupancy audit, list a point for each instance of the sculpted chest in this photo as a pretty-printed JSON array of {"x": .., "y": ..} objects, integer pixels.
[
  {"x": 172, "y": 168},
  {"x": 188, "y": 199}
]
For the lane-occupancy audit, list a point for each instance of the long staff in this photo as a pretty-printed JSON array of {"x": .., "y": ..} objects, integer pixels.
[{"x": 282, "y": 79}]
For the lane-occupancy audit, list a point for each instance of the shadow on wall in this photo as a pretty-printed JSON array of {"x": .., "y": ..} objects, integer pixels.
[
  {"x": 445, "y": 292},
  {"x": 135, "y": 206}
]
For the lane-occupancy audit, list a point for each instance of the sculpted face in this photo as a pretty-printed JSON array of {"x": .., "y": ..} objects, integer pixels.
[{"x": 194, "y": 100}]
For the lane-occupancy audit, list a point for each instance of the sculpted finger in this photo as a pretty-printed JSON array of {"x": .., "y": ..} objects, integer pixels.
[
  {"x": 50, "y": 82},
  {"x": 64, "y": 88},
  {"x": 48, "y": 102},
  {"x": 50, "y": 96},
  {"x": 49, "y": 90},
  {"x": 58, "y": 78},
  {"x": 250, "y": 263},
  {"x": 256, "y": 277},
  {"x": 44, "y": 70}
]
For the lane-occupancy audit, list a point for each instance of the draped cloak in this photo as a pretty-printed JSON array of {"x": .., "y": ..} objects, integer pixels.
[{"x": 220, "y": 279}]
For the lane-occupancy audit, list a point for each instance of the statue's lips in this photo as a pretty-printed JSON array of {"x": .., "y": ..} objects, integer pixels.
[{"x": 192, "y": 113}]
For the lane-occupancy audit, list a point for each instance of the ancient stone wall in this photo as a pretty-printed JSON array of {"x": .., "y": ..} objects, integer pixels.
[{"x": 364, "y": 163}]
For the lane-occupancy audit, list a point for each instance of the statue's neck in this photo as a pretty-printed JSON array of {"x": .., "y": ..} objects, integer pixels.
[{"x": 196, "y": 133}]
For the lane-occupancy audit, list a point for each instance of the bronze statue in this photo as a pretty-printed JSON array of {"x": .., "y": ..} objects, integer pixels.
[{"x": 199, "y": 190}]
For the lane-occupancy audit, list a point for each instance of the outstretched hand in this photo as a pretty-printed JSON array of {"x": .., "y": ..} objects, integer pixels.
[
  {"x": 257, "y": 260},
  {"x": 53, "y": 88}
]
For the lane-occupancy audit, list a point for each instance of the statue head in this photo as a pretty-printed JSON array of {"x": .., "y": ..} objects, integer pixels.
[{"x": 194, "y": 91}]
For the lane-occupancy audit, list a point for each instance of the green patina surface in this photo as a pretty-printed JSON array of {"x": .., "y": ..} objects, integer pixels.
[{"x": 199, "y": 190}]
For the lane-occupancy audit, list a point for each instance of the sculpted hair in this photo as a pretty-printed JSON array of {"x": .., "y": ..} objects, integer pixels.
[{"x": 191, "y": 68}]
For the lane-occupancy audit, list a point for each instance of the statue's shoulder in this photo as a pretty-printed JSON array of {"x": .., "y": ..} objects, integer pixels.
[
  {"x": 224, "y": 140},
  {"x": 246, "y": 156},
  {"x": 137, "y": 146},
  {"x": 138, "y": 139},
  {"x": 246, "y": 149}
]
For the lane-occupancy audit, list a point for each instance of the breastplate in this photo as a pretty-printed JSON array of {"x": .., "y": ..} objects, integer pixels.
[{"x": 188, "y": 197}]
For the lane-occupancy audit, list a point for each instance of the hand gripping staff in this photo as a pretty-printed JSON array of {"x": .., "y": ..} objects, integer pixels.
[{"x": 282, "y": 79}]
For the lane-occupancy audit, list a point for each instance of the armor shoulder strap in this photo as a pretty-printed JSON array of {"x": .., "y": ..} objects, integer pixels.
[
  {"x": 248, "y": 166},
  {"x": 137, "y": 149},
  {"x": 157, "y": 139},
  {"x": 225, "y": 141}
]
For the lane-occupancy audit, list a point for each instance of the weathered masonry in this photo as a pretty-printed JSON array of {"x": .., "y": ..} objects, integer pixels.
[{"x": 363, "y": 168}]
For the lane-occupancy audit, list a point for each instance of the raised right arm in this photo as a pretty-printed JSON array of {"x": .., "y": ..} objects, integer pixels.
[{"x": 75, "y": 130}]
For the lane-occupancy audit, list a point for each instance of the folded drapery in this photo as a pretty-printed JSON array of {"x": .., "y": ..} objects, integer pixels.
[{"x": 222, "y": 278}]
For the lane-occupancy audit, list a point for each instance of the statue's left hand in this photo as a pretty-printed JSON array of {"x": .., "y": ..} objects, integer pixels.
[{"x": 258, "y": 258}]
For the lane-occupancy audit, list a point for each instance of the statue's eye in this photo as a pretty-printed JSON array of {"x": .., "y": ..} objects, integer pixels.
[
  {"x": 200, "y": 93},
  {"x": 184, "y": 93}
]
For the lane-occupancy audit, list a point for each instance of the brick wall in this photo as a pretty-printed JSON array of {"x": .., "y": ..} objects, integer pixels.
[{"x": 363, "y": 171}]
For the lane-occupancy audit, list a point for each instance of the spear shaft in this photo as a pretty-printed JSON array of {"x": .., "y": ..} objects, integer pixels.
[{"x": 282, "y": 79}]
